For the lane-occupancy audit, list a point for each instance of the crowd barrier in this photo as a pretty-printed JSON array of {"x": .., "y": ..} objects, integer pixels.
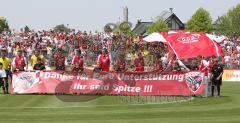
[{"x": 148, "y": 83}]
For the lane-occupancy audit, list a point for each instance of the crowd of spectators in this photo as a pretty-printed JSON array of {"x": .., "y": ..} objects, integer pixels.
[
  {"x": 52, "y": 50},
  {"x": 77, "y": 51},
  {"x": 231, "y": 50}
]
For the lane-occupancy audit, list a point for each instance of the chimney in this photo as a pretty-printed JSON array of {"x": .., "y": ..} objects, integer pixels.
[
  {"x": 171, "y": 10},
  {"x": 125, "y": 14}
]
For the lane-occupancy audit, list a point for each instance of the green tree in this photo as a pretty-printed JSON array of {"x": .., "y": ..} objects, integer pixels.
[
  {"x": 26, "y": 29},
  {"x": 3, "y": 25},
  {"x": 200, "y": 22},
  {"x": 223, "y": 26},
  {"x": 61, "y": 28},
  {"x": 158, "y": 26},
  {"x": 123, "y": 28},
  {"x": 229, "y": 24}
]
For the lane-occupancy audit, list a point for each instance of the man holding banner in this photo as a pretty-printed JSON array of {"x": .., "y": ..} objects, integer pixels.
[{"x": 104, "y": 61}]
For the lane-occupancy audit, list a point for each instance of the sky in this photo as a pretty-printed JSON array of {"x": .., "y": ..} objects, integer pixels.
[{"x": 95, "y": 14}]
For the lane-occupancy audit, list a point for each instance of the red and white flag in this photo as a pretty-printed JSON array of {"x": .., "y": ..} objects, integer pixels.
[{"x": 192, "y": 44}]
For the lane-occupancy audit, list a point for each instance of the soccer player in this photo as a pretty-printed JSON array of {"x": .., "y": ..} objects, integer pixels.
[
  {"x": 104, "y": 61},
  {"x": 19, "y": 62},
  {"x": 204, "y": 66},
  {"x": 77, "y": 61}
]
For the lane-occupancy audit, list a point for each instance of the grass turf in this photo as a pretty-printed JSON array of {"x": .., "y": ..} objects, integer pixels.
[{"x": 108, "y": 109}]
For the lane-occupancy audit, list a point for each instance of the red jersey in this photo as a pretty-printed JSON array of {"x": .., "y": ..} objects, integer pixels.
[
  {"x": 19, "y": 62},
  {"x": 77, "y": 61},
  {"x": 139, "y": 64},
  {"x": 211, "y": 62},
  {"x": 201, "y": 68},
  {"x": 104, "y": 62}
]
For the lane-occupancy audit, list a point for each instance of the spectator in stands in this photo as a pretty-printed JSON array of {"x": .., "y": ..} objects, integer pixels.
[
  {"x": 159, "y": 63},
  {"x": 139, "y": 63},
  {"x": 176, "y": 65},
  {"x": 120, "y": 64},
  {"x": 194, "y": 64},
  {"x": 59, "y": 60},
  {"x": 128, "y": 58}
]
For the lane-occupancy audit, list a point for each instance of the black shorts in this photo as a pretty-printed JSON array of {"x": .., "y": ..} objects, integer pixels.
[
  {"x": 1, "y": 82},
  {"x": 216, "y": 82}
]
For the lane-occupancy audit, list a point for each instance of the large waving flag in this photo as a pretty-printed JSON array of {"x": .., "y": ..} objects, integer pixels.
[
  {"x": 189, "y": 44},
  {"x": 192, "y": 44}
]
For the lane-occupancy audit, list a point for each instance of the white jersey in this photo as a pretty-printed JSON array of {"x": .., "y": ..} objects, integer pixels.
[{"x": 2, "y": 74}]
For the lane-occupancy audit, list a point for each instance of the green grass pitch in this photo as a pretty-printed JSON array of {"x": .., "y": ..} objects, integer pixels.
[{"x": 108, "y": 109}]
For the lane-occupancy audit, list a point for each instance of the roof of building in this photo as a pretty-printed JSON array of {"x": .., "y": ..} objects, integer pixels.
[
  {"x": 164, "y": 14},
  {"x": 141, "y": 27}
]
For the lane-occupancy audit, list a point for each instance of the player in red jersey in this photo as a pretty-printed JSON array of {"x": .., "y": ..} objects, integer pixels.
[
  {"x": 19, "y": 62},
  {"x": 77, "y": 61},
  {"x": 203, "y": 66},
  {"x": 104, "y": 61}
]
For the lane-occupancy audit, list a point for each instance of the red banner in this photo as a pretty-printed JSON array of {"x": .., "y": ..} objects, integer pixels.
[{"x": 174, "y": 83}]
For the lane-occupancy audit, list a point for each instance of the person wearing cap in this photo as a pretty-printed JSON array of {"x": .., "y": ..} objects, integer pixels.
[
  {"x": 104, "y": 61},
  {"x": 6, "y": 66},
  {"x": 19, "y": 62},
  {"x": 35, "y": 56},
  {"x": 217, "y": 72}
]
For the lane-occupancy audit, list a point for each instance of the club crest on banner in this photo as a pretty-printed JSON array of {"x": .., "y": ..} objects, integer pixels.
[
  {"x": 194, "y": 81},
  {"x": 25, "y": 81}
]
